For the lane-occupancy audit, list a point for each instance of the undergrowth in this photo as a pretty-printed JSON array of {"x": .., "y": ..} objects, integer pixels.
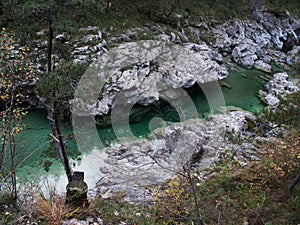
[
  {"x": 252, "y": 194},
  {"x": 255, "y": 193}
]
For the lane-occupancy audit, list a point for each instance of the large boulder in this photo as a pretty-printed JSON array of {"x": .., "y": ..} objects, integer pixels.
[
  {"x": 142, "y": 72},
  {"x": 244, "y": 55},
  {"x": 263, "y": 38},
  {"x": 293, "y": 56}
]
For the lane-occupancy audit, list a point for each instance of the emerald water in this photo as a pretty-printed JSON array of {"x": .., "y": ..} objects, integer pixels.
[{"x": 36, "y": 157}]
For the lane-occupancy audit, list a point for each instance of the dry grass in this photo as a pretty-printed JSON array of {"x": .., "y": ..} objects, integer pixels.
[{"x": 53, "y": 210}]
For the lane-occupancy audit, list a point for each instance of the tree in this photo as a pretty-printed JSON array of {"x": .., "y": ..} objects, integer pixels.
[
  {"x": 55, "y": 87},
  {"x": 30, "y": 16},
  {"x": 52, "y": 107},
  {"x": 15, "y": 75},
  {"x": 1, "y": 8}
]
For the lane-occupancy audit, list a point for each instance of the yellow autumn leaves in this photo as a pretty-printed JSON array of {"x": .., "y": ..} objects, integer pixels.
[{"x": 173, "y": 197}]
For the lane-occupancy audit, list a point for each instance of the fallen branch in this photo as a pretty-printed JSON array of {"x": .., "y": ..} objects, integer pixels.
[{"x": 293, "y": 183}]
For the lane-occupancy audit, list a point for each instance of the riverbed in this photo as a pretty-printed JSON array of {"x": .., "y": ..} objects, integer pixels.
[{"x": 38, "y": 162}]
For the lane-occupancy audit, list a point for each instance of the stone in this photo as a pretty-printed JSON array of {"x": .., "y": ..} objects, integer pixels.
[
  {"x": 261, "y": 65},
  {"x": 255, "y": 39},
  {"x": 82, "y": 50},
  {"x": 100, "y": 47},
  {"x": 89, "y": 29},
  {"x": 278, "y": 27},
  {"x": 183, "y": 37},
  {"x": 62, "y": 38},
  {"x": 90, "y": 219},
  {"x": 293, "y": 56},
  {"x": 224, "y": 84},
  {"x": 41, "y": 33},
  {"x": 279, "y": 86},
  {"x": 99, "y": 221},
  {"x": 77, "y": 190},
  {"x": 215, "y": 56},
  {"x": 244, "y": 55},
  {"x": 143, "y": 164},
  {"x": 163, "y": 37},
  {"x": 124, "y": 37},
  {"x": 152, "y": 68},
  {"x": 271, "y": 100},
  {"x": 90, "y": 38}
]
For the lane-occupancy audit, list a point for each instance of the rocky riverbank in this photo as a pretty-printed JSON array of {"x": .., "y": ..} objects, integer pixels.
[
  {"x": 138, "y": 166},
  {"x": 278, "y": 87},
  {"x": 178, "y": 59},
  {"x": 145, "y": 71},
  {"x": 181, "y": 56},
  {"x": 260, "y": 42}
]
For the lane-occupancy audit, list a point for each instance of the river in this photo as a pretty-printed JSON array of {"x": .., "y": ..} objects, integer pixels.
[{"x": 38, "y": 161}]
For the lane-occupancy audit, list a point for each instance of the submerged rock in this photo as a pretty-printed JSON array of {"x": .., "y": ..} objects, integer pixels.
[{"x": 261, "y": 65}]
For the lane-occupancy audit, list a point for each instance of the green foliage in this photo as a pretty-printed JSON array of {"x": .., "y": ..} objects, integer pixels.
[
  {"x": 297, "y": 69},
  {"x": 287, "y": 113},
  {"x": 29, "y": 17},
  {"x": 280, "y": 6},
  {"x": 167, "y": 10},
  {"x": 235, "y": 194},
  {"x": 15, "y": 75},
  {"x": 6, "y": 219},
  {"x": 173, "y": 201},
  {"x": 62, "y": 81}
]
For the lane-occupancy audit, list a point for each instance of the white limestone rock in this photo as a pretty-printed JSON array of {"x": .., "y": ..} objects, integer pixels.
[
  {"x": 261, "y": 65},
  {"x": 141, "y": 163},
  {"x": 293, "y": 56},
  {"x": 279, "y": 86},
  {"x": 140, "y": 72},
  {"x": 245, "y": 55}
]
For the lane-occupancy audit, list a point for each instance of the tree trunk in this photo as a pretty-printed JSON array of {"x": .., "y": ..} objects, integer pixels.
[
  {"x": 59, "y": 142},
  {"x": 12, "y": 148},
  {"x": 52, "y": 110},
  {"x": 50, "y": 39},
  {"x": 1, "y": 8}
]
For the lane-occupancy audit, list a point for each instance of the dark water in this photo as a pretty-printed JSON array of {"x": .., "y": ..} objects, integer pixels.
[{"x": 36, "y": 155}]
